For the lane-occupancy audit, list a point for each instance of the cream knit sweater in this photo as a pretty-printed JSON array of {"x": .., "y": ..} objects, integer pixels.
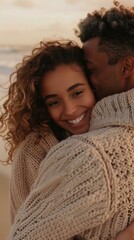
[
  {"x": 85, "y": 185},
  {"x": 25, "y": 164}
]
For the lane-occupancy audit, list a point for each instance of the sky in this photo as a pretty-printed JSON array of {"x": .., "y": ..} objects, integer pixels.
[{"x": 25, "y": 22}]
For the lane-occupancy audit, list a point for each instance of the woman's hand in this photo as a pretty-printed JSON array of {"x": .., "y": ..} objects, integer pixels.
[{"x": 127, "y": 234}]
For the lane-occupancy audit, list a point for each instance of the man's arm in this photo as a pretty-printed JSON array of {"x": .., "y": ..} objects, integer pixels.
[{"x": 72, "y": 192}]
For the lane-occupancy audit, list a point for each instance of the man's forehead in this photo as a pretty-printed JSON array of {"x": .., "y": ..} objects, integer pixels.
[
  {"x": 91, "y": 44},
  {"x": 92, "y": 52},
  {"x": 90, "y": 48}
]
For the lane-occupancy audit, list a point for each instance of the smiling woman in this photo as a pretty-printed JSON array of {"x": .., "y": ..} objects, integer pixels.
[
  {"x": 68, "y": 98},
  {"x": 48, "y": 100}
]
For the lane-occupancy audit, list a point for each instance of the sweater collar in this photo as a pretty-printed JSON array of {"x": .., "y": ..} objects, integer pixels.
[{"x": 115, "y": 110}]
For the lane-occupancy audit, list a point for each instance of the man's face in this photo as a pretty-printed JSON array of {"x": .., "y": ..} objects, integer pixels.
[{"x": 106, "y": 79}]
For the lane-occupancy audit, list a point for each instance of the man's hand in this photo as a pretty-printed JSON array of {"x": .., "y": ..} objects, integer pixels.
[{"x": 127, "y": 234}]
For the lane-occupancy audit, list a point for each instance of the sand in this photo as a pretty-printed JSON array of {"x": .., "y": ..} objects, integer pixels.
[
  {"x": 4, "y": 205},
  {"x": 4, "y": 195}
]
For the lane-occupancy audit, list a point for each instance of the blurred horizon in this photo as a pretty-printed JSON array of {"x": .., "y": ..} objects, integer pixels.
[{"x": 27, "y": 22}]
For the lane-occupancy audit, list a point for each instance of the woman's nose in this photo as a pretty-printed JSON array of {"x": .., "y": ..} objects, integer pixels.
[{"x": 69, "y": 108}]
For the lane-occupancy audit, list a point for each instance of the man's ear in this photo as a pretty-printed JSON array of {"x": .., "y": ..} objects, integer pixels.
[{"x": 127, "y": 66}]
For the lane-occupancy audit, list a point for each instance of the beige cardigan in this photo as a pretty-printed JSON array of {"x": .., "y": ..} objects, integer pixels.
[
  {"x": 85, "y": 185},
  {"x": 25, "y": 166}
]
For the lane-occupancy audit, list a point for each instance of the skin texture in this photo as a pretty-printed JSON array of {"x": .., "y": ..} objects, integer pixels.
[
  {"x": 69, "y": 98},
  {"x": 105, "y": 78}
]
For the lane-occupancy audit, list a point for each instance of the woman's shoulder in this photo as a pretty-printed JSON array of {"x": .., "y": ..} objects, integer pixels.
[{"x": 37, "y": 143}]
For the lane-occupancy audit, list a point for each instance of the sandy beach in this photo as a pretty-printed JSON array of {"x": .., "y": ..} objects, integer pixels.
[
  {"x": 4, "y": 205},
  {"x": 4, "y": 201},
  {"x": 4, "y": 194}
]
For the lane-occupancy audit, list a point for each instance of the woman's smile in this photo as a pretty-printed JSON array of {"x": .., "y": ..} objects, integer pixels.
[
  {"x": 80, "y": 124},
  {"x": 77, "y": 120},
  {"x": 68, "y": 98}
]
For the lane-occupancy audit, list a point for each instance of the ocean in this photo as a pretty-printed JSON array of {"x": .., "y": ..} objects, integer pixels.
[{"x": 9, "y": 57}]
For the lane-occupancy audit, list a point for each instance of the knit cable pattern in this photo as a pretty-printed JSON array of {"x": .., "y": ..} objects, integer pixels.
[{"x": 84, "y": 189}]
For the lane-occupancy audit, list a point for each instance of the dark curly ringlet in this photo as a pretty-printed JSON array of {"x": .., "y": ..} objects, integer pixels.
[
  {"x": 114, "y": 27},
  {"x": 24, "y": 110}
]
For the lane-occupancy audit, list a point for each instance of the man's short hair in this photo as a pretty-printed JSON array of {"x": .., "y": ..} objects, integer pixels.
[{"x": 114, "y": 27}]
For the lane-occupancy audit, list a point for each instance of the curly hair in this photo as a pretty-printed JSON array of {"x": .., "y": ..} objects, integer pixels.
[
  {"x": 114, "y": 27},
  {"x": 24, "y": 109}
]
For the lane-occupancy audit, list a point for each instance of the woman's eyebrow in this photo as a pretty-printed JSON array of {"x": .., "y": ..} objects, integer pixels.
[
  {"x": 75, "y": 86},
  {"x": 50, "y": 96}
]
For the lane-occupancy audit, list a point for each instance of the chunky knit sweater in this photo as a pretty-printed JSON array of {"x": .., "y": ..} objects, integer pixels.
[
  {"x": 25, "y": 164},
  {"x": 85, "y": 185}
]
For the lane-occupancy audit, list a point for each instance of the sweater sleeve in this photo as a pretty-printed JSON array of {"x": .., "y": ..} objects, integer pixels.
[
  {"x": 71, "y": 194},
  {"x": 24, "y": 170}
]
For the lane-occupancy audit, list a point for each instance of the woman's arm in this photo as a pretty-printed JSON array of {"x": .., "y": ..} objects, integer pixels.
[{"x": 26, "y": 161}]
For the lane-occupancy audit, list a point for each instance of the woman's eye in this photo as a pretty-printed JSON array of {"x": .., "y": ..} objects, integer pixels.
[
  {"x": 77, "y": 93},
  {"x": 52, "y": 104}
]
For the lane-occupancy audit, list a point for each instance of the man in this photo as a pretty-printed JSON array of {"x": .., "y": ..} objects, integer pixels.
[
  {"x": 84, "y": 189},
  {"x": 106, "y": 51},
  {"x": 108, "y": 42}
]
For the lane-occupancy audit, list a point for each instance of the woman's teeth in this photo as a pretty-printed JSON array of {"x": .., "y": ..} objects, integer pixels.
[{"x": 77, "y": 120}]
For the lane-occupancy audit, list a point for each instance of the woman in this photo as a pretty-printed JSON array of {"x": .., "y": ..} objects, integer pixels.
[{"x": 48, "y": 100}]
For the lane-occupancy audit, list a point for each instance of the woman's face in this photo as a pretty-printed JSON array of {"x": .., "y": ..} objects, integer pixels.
[{"x": 68, "y": 98}]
